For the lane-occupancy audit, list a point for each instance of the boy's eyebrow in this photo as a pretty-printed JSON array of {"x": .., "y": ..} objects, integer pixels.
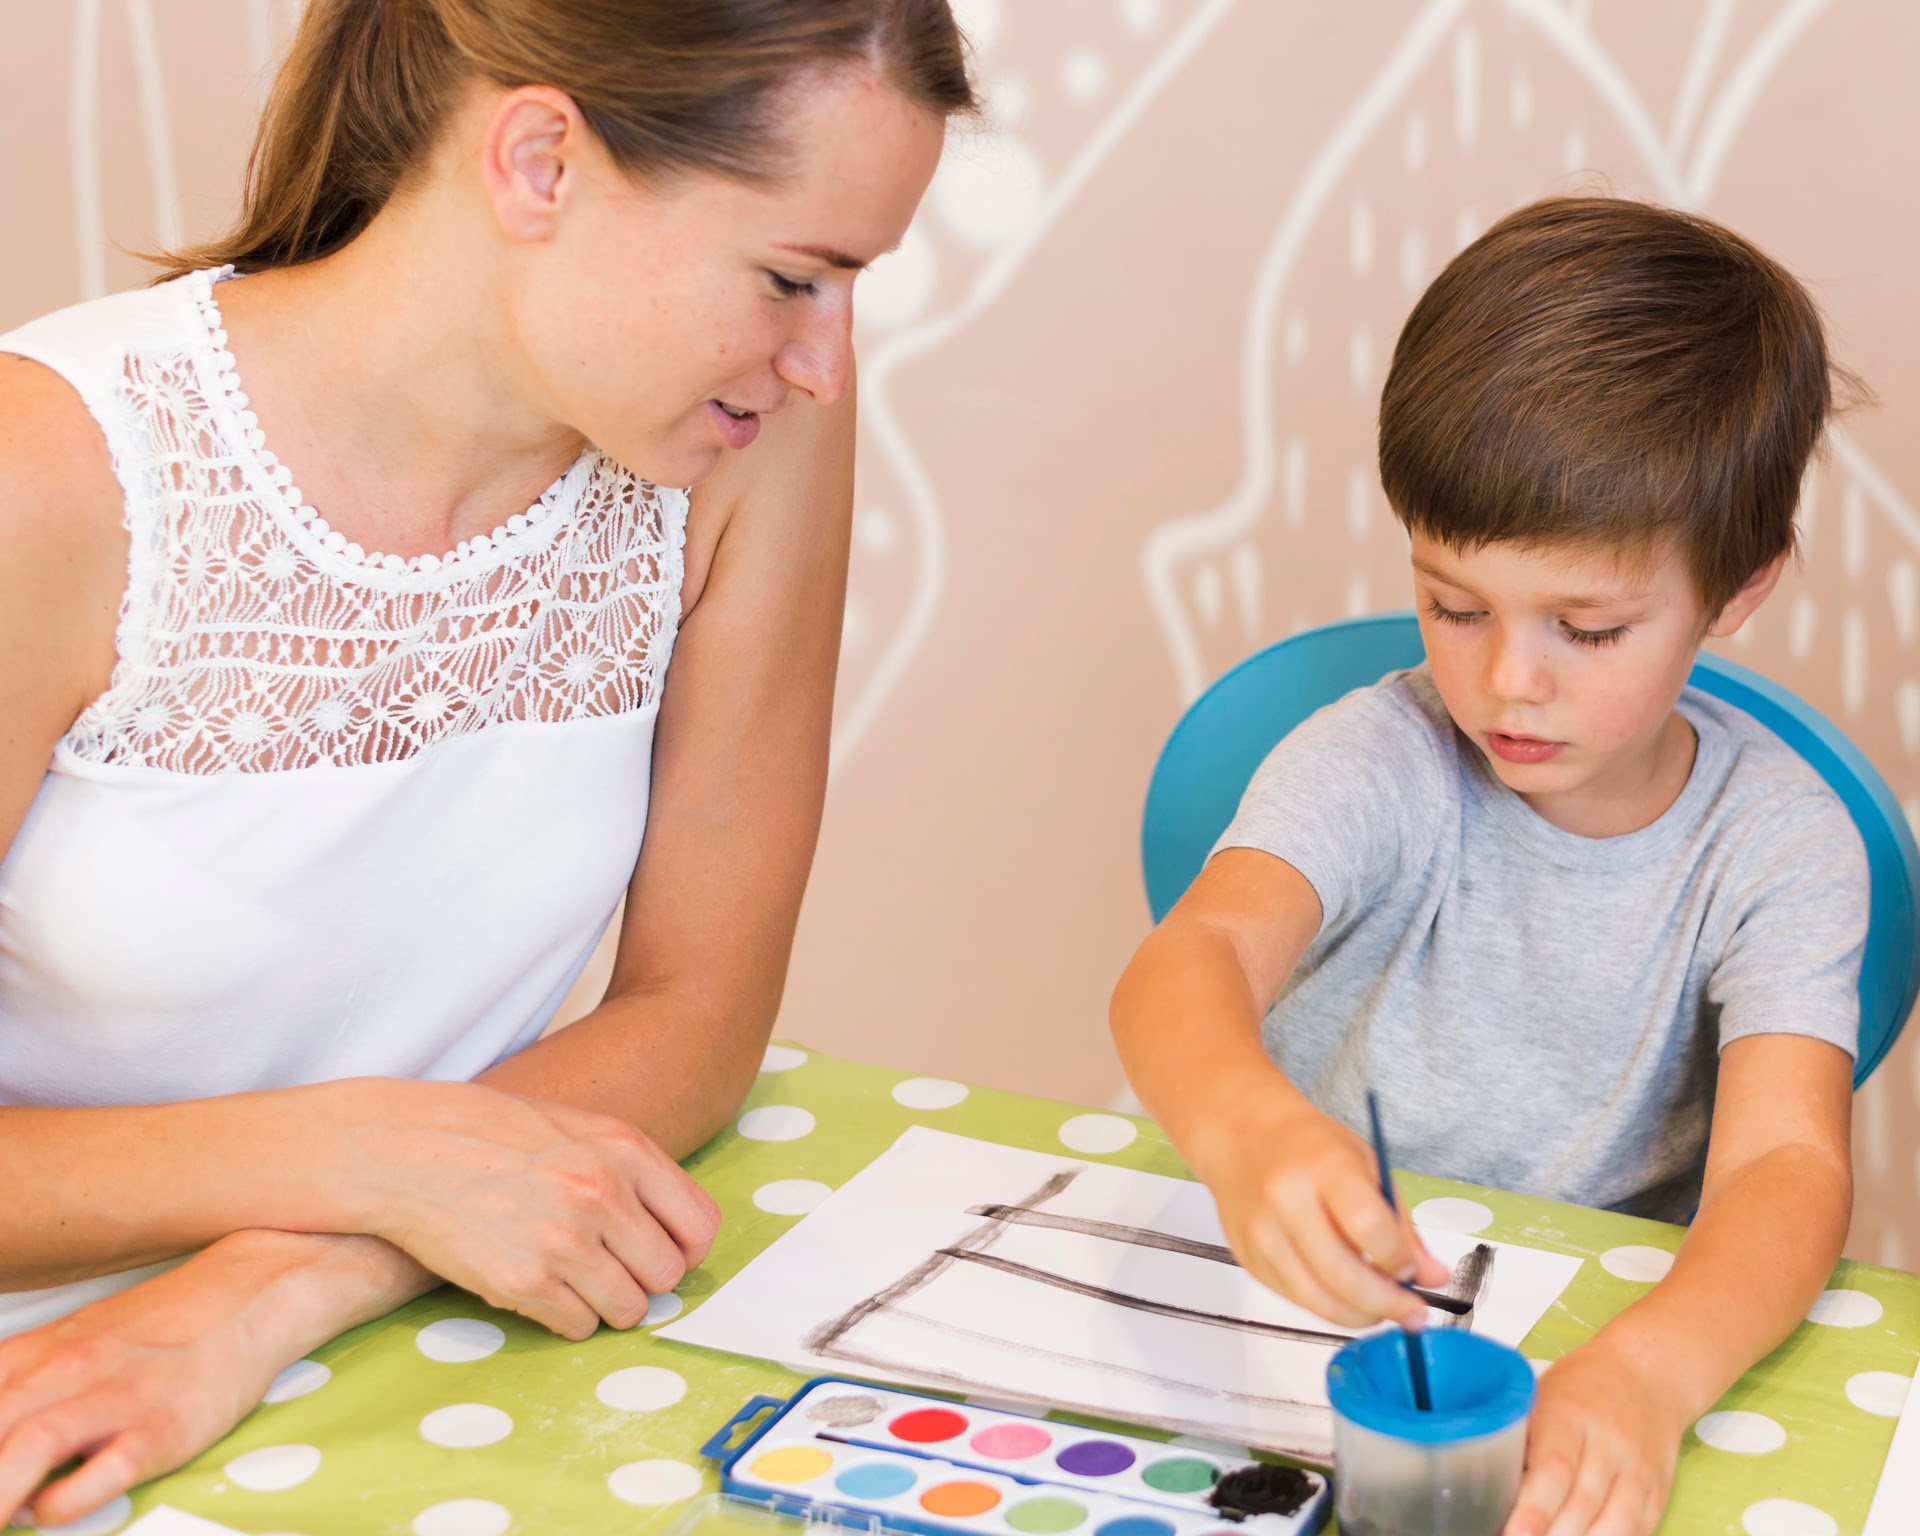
[
  {"x": 1574, "y": 600},
  {"x": 1580, "y": 600}
]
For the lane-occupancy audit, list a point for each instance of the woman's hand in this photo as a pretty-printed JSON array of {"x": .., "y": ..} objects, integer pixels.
[
  {"x": 561, "y": 1214},
  {"x": 1300, "y": 1201},
  {"x": 139, "y": 1382},
  {"x": 1601, "y": 1447}
]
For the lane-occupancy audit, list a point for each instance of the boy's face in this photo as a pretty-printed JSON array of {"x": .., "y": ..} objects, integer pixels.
[{"x": 1563, "y": 668}]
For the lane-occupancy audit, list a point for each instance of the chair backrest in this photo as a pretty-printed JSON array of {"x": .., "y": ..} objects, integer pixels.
[{"x": 1223, "y": 738}]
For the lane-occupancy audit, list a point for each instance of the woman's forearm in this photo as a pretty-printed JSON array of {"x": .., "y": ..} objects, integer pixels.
[
  {"x": 95, "y": 1190},
  {"x": 655, "y": 1061}
]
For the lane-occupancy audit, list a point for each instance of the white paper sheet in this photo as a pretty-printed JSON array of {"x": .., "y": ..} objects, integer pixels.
[
  {"x": 1097, "y": 1288},
  {"x": 1898, "y": 1496}
]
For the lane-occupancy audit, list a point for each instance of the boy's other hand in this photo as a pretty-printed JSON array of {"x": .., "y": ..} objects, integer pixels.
[
  {"x": 1300, "y": 1201},
  {"x": 1601, "y": 1448}
]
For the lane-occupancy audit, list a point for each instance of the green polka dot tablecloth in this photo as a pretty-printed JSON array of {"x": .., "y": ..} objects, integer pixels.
[{"x": 447, "y": 1418}]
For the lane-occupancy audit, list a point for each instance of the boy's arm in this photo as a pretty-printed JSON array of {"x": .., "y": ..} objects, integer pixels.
[
  {"x": 1773, "y": 1216},
  {"x": 1298, "y": 1193}
]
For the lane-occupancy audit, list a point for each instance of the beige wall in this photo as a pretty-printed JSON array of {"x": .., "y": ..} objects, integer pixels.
[{"x": 1118, "y": 392}]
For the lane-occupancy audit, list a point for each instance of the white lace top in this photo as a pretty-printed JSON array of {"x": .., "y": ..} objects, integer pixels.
[{"x": 337, "y": 813}]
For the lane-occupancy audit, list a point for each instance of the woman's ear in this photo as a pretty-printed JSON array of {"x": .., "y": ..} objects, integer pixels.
[
  {"x": 1755, "y": 591},
  {"x": 529, "y": 158}
]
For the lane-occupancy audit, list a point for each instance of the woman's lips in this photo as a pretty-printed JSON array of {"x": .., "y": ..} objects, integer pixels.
[
  {"x": 735, "y": 431},
  {"x": 1522, "y": 749}
]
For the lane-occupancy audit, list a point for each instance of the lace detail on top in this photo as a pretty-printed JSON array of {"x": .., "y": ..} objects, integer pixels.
[{"x": 254, "y": 638}]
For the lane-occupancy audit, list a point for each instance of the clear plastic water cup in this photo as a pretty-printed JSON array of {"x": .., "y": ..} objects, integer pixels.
[{"x": 1452, "y": 1470}]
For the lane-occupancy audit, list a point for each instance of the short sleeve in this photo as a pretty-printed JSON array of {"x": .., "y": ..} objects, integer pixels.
[
  {"x": 1791, "y": 964},
  {"x": 1353, "y": 797}
]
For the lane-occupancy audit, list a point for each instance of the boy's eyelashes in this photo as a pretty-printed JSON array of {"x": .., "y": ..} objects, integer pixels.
[
  {"x": 790, "y": 288},
  {"x": 1578, "y": 636}
]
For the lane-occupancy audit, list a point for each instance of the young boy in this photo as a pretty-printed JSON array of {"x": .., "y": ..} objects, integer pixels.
[{"x": 1564, "y": 914}]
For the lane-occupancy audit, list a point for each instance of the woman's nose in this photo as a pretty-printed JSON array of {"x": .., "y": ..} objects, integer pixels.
[{"x": 818, "y": 360}]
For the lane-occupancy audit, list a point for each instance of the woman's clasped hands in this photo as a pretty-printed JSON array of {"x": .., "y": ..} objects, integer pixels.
[{"x": 566, "y": 1216}]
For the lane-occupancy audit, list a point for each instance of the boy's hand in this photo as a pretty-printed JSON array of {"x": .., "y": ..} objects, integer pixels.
[
  {"x": 1299, "y": 1197},
  {"x": 1601, "y": 1447}
]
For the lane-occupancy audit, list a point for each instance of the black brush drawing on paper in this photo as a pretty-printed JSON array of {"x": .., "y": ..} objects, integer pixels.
[{"x": 838, "y": 1338}]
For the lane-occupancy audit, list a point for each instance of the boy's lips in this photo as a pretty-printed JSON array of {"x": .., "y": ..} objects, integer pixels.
[{"x": 1522, "y": 749}]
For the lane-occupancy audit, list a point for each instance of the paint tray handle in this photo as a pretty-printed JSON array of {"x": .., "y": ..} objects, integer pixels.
[{"x": 717, "y": 1446}]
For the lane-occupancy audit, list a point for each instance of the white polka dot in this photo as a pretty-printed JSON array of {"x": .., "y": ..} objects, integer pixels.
[
  {"x": 790, "y": 1197},
  {"x": 1098, "y": 1133},
  {"x": 782, "y": 1058},
  {"x": 988, "y": 190},
  {"x": 1881, "y": 1392},
  {"x": 929, "y": 1093},
  {"x": 1008, "y": 101},
  {"x": 1140, "y": 15},
  {"x": 108, "y": 1517},
  {"x": 980, "y": 20},
  {"x": 895, "y": 289},
  {"x": 456, "y": 1340},
  {"x": 1845, "y": 1309},
  {"x": 1449, "y": 1213},
  {"x": 663, "y": 1308},
  {"x": 463, "y": 1517},
  {"x": 641, "y": 1388},
  {"x": 1643, "y": 1265},
  {"x": 462, "y": 1426},
  {"x": 274, "y": 1467},
  {"x": 297, "y": 1380},
  {"x": 653, "y": 1482},
  {"x": 1787, "y": 1517},
  {"x": 1083, "y": 75},
  {"x": 776, "y": 1122},
  {"x": 1750, "y": 1434}
]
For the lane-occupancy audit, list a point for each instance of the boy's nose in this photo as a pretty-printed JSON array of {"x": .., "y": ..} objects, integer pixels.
[{"x": 1517, "y": 671}]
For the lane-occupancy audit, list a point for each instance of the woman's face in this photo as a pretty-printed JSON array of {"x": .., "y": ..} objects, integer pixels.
[{"x": 664, "y": 318}]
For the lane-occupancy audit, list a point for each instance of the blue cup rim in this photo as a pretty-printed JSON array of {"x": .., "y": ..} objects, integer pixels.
[{"x": 1480, "y": 1386}]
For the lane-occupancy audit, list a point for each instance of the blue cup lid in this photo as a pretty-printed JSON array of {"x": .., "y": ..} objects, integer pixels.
[{"x": 1479, "y": 1386}]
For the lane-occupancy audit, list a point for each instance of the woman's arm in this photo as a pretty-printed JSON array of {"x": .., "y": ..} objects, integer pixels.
[
  {"x": 1773, "y": 1216},
  {"x": 738, "y": 782},
  {"x": 61, "y": 578},
  {"x": 739, "y": 777}
]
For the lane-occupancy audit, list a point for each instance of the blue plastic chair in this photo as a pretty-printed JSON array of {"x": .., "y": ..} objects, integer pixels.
[{"x": 1228, "y": 732}]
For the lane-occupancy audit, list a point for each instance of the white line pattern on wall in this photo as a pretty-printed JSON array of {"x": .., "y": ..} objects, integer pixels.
[{"x": 882, "y": 422}]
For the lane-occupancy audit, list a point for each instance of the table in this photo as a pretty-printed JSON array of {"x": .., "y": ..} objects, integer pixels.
[{"x": 447, "y": 1418}]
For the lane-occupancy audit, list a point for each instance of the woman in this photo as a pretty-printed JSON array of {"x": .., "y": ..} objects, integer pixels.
[{"x": 343, "y": 574}]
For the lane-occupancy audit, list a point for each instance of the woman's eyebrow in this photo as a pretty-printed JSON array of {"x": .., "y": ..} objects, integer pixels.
[{"x": 832, "y": 257}]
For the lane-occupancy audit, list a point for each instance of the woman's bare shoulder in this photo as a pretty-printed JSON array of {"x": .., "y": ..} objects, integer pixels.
[{"x": 63, "y": 543}]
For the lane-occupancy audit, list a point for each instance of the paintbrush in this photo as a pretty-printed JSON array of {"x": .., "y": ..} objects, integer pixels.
[{"x": 1416, "y": 1360}]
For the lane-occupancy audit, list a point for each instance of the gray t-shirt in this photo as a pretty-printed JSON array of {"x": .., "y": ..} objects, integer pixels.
[{"x": 1540, "y": 1011}]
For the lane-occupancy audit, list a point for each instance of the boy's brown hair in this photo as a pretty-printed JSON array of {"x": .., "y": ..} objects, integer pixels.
[{"x": 1609, "y": 374}]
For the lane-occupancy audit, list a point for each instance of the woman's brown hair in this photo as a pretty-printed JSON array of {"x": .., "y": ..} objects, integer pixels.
[
  {"x": 1609, "y": 374},
  {"x": 668, "y": 86}
]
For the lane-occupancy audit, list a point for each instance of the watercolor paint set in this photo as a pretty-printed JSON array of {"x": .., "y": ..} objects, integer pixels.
[{"x": 855, "y": 1454}]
